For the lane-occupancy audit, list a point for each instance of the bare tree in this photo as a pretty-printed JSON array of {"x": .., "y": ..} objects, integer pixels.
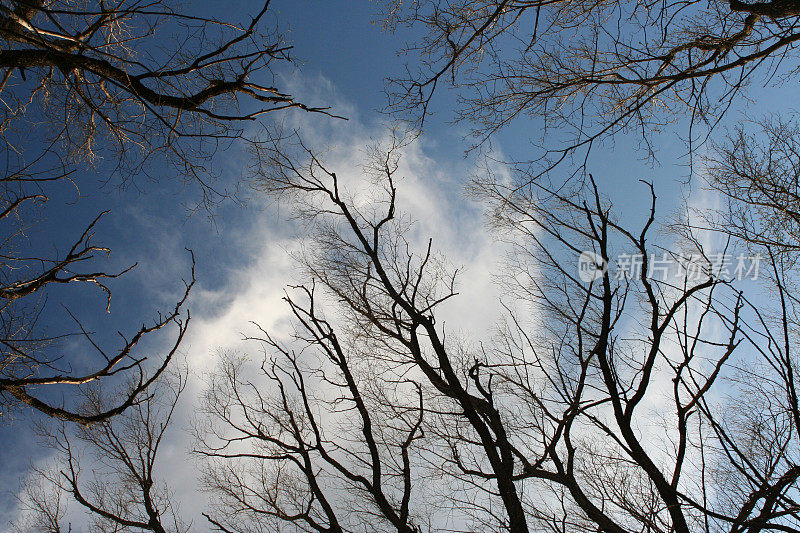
[
  {"x": 591, "y": 69},
  {"x": 627, "y": 403},
  {"x": 41, "y": 506},
  {"x": 29, "y": 364},
  {"x": 98, "y": 74},
  {"x": 117, "y": 85},
  {"x": 123, "y": 491},
  {"x": 756, "y": 170}
]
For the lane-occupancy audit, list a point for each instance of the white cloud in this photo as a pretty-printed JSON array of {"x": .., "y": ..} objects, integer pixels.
[{"x": 429, "y": 191}]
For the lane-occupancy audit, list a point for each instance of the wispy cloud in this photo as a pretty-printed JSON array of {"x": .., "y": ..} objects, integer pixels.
[{"x": 251, "y": 285}]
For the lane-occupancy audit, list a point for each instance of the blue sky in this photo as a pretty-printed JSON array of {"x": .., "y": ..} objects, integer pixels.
[{"x": 241, "y": 254}]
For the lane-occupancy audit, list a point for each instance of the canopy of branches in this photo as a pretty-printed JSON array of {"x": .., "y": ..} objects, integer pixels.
[{"x": 661, "y": 397}]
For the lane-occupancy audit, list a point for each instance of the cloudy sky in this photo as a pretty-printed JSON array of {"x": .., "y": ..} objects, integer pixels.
[{"x": 242, "y": 253}]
